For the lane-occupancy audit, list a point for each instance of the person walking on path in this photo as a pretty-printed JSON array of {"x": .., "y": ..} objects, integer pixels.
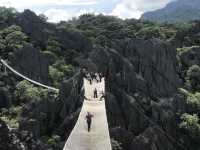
[
  {"x": 96, "y": 77},
  {"x": 103, "y": 96},
  {"x": 100, "y": 77},
  {"x": 90, "y": 80},
  {"x": 95, "y": 93},
  {"x": 88, "y": 118}
]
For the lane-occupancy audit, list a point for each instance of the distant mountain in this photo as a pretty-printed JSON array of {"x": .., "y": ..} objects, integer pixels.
[{"x": 176, "y": 11}]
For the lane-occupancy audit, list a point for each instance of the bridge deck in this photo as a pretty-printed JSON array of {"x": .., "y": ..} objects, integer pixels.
[{"x": 98, "y": 138}]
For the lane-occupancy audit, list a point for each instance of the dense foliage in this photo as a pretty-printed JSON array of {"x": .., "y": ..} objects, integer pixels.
[{"x": 61, "y": 43}]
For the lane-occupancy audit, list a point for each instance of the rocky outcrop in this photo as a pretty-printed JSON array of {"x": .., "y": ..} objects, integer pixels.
[
  {"x": 54, "y": 115},
  {"x": 34, "y": 26},
  {"x": 139, "y": 87},
  {"x": 32, "y": 63},
  {"x": 123, "y": 136},
  {"x": 134, "y": 69},
  {"x": 4, "y": 97},
  {"x": 71, "y": 97},
  {"x": 139, "y": 94},
  {"x": 6, "y": 89},
  {"x": 152, "y": 139}
]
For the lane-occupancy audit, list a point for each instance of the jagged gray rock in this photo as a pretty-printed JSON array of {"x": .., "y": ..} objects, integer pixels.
[
  {"x": 32, "y": 63},
  {"x": 140, "y": 79},
  {"x": 152, "y": 139},
  {"x": 135, "y": 70}
]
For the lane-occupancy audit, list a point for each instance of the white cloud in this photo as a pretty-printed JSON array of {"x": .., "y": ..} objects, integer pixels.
[
  {"x": 54, "y": 9},
  {"x": 135, "y": 8},
  {"x": 22, "y": 4},
  {"x": 56, "y": 15},
  {"x": 121, "y": 11}
]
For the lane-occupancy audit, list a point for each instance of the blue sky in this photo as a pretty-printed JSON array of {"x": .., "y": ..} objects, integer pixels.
[{"x": 57, "y": 10}]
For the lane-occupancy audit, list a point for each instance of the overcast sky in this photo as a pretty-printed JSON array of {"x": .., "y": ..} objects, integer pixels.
[{"x": 57, "y": 10}]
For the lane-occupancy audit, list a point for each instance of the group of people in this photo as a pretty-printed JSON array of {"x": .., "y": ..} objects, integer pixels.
[{"x": 91, "y": 77}]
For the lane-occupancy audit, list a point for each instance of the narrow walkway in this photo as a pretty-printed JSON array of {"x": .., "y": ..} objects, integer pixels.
[
  {"x": 98, "y": 138},
  {"x": 26, "y": 78}
]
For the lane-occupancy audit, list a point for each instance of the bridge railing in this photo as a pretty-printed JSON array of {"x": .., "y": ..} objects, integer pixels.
[{"x": 26, "y": 78}]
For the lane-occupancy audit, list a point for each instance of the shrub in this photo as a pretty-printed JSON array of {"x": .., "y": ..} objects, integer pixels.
[
  {"x": 21, "y": 89},
  {"x": 116, "y": 145},
  {"x": 55, "y": 75},
  {"x": 51, "y": 142},
  {"x": 26, "y": 92},
  {"x": 190, "y": 123},
  {"x": 193, "y": 77},
  {"x": 59, "y": 70},
  {"x": 11, "y": 122},
  {"x": 192, "y": 99}
]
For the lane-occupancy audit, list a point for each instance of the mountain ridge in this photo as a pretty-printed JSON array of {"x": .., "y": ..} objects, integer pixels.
[{"x": 176, "y": 11}]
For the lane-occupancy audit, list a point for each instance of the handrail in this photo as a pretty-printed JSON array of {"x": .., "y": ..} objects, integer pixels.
[{"x": 26, "y": 78}]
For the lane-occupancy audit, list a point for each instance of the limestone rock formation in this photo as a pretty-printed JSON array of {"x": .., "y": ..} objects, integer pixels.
[
  {"x": 33, "y": 26},
  {"x": 71, "y": 98},
  {"x": 140, "y": 89},
  {"x": 32, "y": 63}
]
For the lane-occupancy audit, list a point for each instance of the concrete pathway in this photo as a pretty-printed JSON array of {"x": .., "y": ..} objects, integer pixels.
[{"x": 98, "y": 138}]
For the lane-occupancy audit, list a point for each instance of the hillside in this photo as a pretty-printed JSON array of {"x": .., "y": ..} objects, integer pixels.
[
  {"x": 177, "y": 11},
  {"x": 152, "y": 80}
]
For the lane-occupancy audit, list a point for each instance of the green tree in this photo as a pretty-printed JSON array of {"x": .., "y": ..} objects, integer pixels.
[
  {"x": 54, "y": 46},
  {"x": 193, "y": 77},
  {"x": 116, "y": 145},
  {"x": 190, "y": 123},
  {"x": 101, "y": 40},
  {"x": 63, "y": 67},
  {"x": 26, "y": 92},
  {"x": 193, "y": 101},
  {"x": 7, "y": 15},
  {"x": 13, "y": 38},
  {"x": 59, "y": 70},
  {"x": 55, "y": 75}
]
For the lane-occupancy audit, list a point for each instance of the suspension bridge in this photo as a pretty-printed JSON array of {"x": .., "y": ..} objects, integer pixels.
[{"x": 80, "y": 139}]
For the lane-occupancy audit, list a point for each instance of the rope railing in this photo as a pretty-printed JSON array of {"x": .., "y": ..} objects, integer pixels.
[{"x": 26, "y": 78}]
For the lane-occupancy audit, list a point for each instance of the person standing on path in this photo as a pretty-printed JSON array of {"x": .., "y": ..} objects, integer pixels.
[
  {"x": 88, "y": 118},
  {"x": 90, "y": 80},
  {"x": 100, "y": 77},
  {"x": 95, "y": 93}
]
